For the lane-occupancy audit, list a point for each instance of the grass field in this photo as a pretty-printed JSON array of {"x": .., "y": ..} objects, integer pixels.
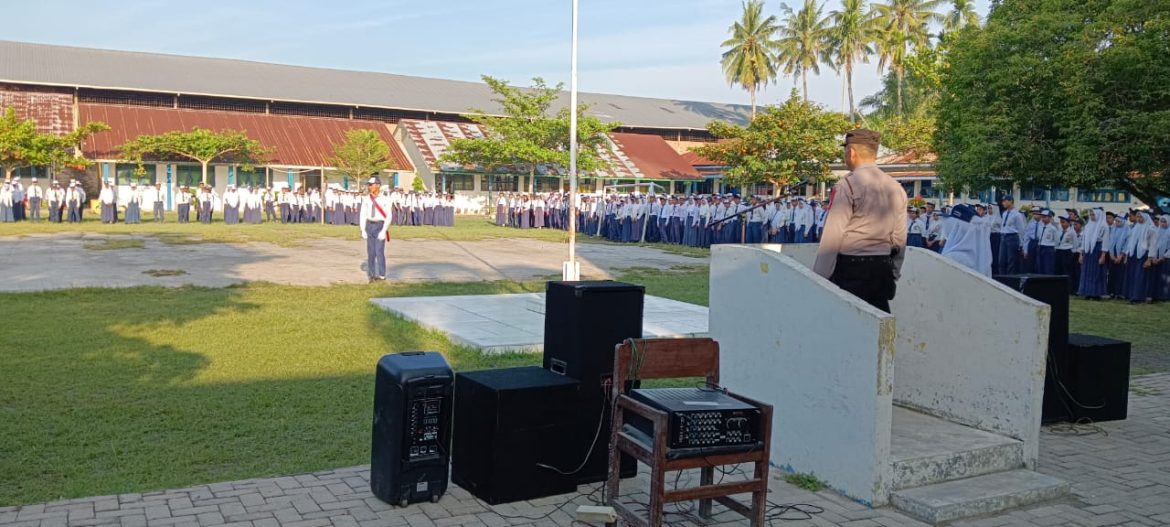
[
  {"x": 116, "y": 390},
  {"x": 106, "y": 391}
]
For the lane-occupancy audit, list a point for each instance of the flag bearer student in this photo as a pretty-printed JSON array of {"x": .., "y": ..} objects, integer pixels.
[
  {"x": 34, "y": 194},
  {"x": 1046, "y": 249},
  {"x": 864, "y": 241},
  {"x": 375, "y": 224}
]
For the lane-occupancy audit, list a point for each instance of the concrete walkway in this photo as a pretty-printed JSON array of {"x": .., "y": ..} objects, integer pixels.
[
  {"x": 61, "y": 261},
  {"x": 1120, "y": 475}
]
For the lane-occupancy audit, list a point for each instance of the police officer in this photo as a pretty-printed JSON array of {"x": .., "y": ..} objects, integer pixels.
[
  {"x": 864, "y": 239},
  {"x": 375, "y": 221}
]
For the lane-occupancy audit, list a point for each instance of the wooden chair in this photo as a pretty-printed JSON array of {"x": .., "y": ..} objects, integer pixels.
[{"x": 667, "y": 359}]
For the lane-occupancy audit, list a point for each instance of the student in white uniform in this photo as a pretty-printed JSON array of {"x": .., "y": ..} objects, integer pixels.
[
  {"x": 34, "y": 194},
  {"x": 375, "y": 225},
  {"x": 1046, "y": 250}
]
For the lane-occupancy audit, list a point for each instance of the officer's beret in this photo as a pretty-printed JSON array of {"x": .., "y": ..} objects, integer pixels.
[{"x": 863, "y": 136}]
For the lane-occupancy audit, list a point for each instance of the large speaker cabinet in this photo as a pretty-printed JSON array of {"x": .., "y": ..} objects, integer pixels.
[
  {"x": 1052, "y": 290},
  {"x": 409, "y": 455},
  {"x": 583, "y": 323},
  {"x": 509, "y": 422}
]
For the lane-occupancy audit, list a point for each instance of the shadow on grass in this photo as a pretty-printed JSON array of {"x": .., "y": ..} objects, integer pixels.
[{"x": 83, "y": 398}]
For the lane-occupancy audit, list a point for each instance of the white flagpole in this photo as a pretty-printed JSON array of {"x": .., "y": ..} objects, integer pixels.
[{"x": 572, "y": 271}]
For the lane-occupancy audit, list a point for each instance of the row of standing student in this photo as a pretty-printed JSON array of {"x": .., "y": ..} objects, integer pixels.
[
  {"x": 681, "y": 220},
  {"x": 250, "y": 205}
]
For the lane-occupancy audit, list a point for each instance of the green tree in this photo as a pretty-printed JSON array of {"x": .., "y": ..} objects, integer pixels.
[
  {"x": 850, "y": 35},
  {"x": 22, "y": 145},
  {"x": 962, "y": 14},
  {"x": 362, "y": 155},
  {"x": 522, "y": 134},
  {"x": 786, "y": 144},
  {"x": 749, "y": 57},
  {"x": 903, "y": 24},
  {"x": 803, "y": 42},
  {"x": 200, "y": 145},
  {"x": 1060, "y": 93}
]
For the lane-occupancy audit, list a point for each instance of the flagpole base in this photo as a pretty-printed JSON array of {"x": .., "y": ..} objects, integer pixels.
[{"x": 571, "y": 271}]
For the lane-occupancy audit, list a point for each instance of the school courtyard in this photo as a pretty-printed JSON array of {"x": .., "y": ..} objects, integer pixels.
[{"x": 212, "y": 376}]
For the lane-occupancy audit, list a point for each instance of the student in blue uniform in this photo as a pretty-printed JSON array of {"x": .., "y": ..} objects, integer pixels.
[
  {"x": 1009, "y": 241},
  {"x": 1094, "y": 257},
  {"x": 1118, "y": 236},
  {"x": 916, "y": 231},
  {"x": 1160, "y": 261},
  {"x": 1137, "y": 250},
  {"x": 1046, "y": 249}
]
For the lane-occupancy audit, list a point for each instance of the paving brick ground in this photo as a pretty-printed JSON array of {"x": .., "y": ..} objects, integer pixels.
[{"x": 1120, "y": 474}]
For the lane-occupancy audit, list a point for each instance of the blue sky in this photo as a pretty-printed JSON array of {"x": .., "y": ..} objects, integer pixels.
[{"x": 650, "y": 48}]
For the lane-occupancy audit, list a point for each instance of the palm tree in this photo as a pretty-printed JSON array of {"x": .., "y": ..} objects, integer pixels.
[
  {"x": 962, "y": 15},
  {"x": 803, "y": 43},
  {"x": 901, "y": 24},
  {"x": 849, "y": 40},
  {"x": 750, "y": 60}
]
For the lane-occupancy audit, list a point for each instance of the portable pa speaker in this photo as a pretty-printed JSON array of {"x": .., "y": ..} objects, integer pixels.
[
  {"x": 583, "y": 322},
  {"x": 507, "y": 423},
  {"x": 412, "y": 427},
  {"x": 1051, "y": 290},
  {"x": 1100, "y": 377}
]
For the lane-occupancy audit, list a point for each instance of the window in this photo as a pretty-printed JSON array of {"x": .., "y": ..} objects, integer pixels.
[
  {"x": 1107, "y": 195},
  {"x": 254, "y": 178},
  {"x": 1033, "y": 194},
  {"x": 548, "y": 184},
  {"x": 124, "y": 174},
  {"x": 459, "y": 182},
  {"x": 503, "y": 183},
  {"x": 929, "y": 191},
  {"x": 192, "y": 175},
  {"x": 909, "y": 187},
  {"x": 759, "y": 189},
  {"x": 30, "y": 172}
]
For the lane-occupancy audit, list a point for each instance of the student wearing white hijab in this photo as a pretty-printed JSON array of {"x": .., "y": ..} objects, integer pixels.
[
  {"x": 963, "y": 244},
  {"x": 1137, "y": 250},
  {"x": 1161, "y": 261},
  {"x": 1094, "y": 255},
  {"x": 1118, "y": 235}
]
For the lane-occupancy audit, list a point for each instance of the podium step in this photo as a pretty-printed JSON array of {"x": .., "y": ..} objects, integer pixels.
[
  {"x": 926, "y": 450},
  {"x": 977, "y": 496}
]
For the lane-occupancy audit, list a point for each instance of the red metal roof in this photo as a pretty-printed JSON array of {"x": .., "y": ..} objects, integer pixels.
[
  {"x": 696, "y": 160},
  {"x": 630, "y": 156},
  {"x": 654, "y": 158},
  {"x": 293, "y": 140},
  {"x": 53, "y": 112}
]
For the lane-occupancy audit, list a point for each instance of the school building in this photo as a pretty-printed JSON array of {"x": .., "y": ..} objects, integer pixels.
[{"x": 300, "y": 113}]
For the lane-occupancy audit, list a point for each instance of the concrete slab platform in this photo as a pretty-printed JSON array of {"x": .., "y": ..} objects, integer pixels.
[{"x": 515, "y": 323}]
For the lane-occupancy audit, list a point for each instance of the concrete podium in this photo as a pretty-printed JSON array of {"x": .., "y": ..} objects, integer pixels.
[{"x": 934, "y": 408}]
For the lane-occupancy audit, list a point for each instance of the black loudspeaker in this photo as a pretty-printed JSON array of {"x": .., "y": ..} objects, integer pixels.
[
  {"x": 412, "y": 427},
  {"x": 1100, "y": 377},
  {"x": 1052, "y": 290},
  {"x": 583, "y": 322},
  {"x": 507, "y": 423}
]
